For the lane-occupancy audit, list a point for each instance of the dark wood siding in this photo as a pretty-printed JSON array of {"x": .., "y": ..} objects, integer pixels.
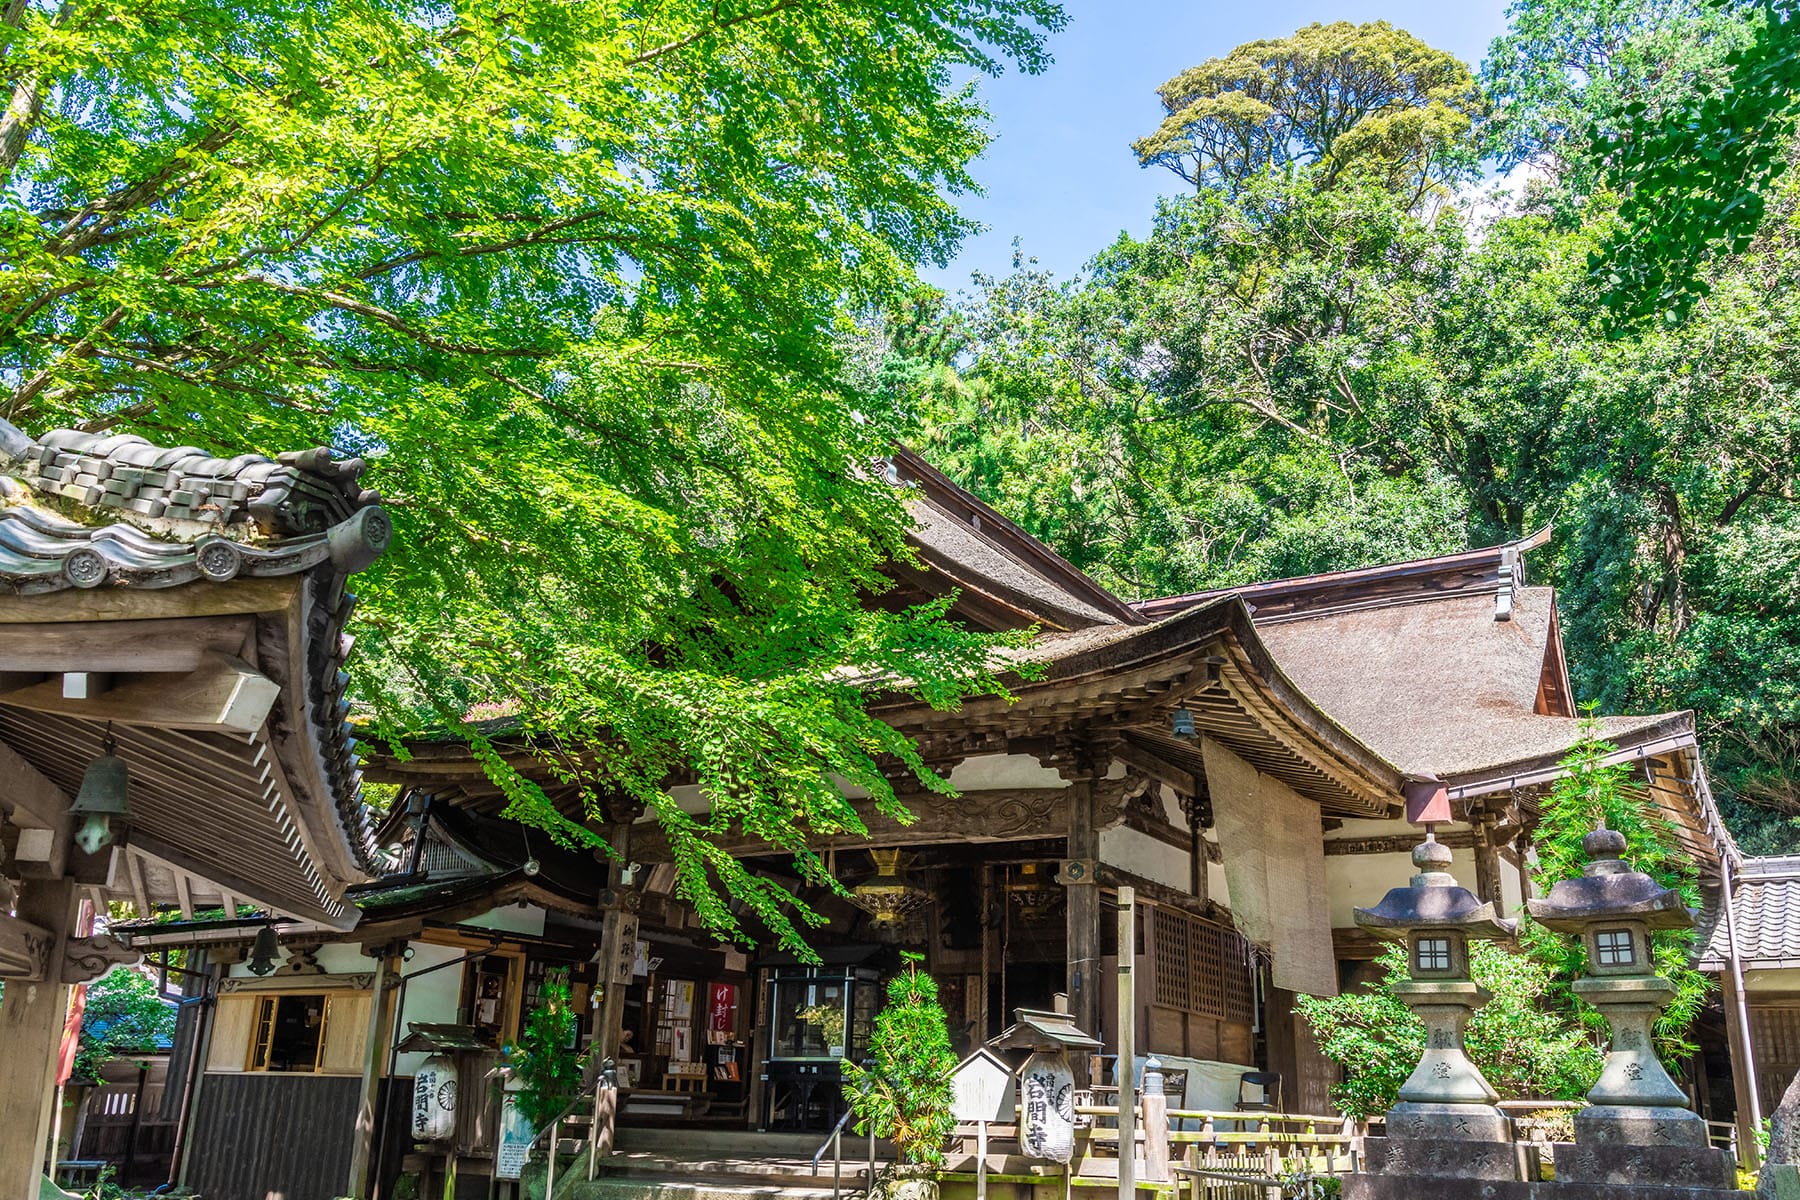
[{"x": 262, "y": 1135}]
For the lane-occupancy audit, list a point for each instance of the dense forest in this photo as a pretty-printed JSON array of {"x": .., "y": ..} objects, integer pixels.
[{"x": 1365, "y": 325}]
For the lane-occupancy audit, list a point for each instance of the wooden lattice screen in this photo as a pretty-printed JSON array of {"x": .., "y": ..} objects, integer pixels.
[
  {"x": 1201, "y": 968},
  {"x": 1775, "y": 1038}
]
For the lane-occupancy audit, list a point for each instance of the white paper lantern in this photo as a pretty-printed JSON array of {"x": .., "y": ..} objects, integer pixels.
[
  {"x": 1049, "y": 1110},
  {"x": 434, "y": 1100}
]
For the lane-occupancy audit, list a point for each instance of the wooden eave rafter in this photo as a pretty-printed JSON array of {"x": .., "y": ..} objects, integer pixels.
[
  {"x": 217, "y": 811},
  {"x": 1208, "y": 661},
  {"x": 1667, "y": 754}
]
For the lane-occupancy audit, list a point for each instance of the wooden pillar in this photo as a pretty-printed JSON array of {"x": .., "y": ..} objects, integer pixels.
[
  {"x": 1127, "y": 1071},
  {"x": 1487, "y": 863},
  {"x": 1084, "y": 914},
  {"x": 984, "y": 1028},
  {"x": 618, "y": 947},
  {"x": 31, "y": 1024},
  {"x": 369, "y": 1109}
]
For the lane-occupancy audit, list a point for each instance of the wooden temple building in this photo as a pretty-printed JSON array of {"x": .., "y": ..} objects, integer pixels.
[
  {"x": 1254, "y": 763},
  {"x": 172, "y": 713}
]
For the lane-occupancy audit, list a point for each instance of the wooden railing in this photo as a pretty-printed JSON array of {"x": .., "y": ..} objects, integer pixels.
[{"x": 1221, "y": 1155}]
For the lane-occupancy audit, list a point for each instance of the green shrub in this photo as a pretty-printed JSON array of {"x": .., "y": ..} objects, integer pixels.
[
  {"x": 542, "y": 1060},
  {"x": 1527, "y": 1049},
  {"x": 906, "y": 1094}
]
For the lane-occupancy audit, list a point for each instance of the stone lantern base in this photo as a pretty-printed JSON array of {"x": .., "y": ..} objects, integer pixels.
[
  {"x": 1420, "y": 1187},
  {"x": 1437, "y": 1169}
]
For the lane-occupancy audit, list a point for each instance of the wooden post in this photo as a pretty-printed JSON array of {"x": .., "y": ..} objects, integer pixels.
[
  {"x": 1487, "y": 863},
  {"x": 1156, "y": 1126},
  {"x": 1127, "y": 1044},
  {"x": 32, "y": 1014},
  {"x": 1083, "y": 916},
  {"x": 618, "y": 945},
  {"x": 981, "y": 1160},
  {"x": 984, "y": 1027},
  {"x": 1743, "y": 1069},
  {"x": 374, "y": 1053}
]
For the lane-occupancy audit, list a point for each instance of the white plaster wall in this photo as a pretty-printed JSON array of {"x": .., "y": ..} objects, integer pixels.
[
  {"x": 1355, "y": 881},
  {"x": 1218, "y": 890},
  {"x": 1003, "y": 771},
  {"x": 1145, "y": 856},
  {"x": 1778, "y": 979},
  {"x": 429, "y": 998},
  {"x": 513, "y": 918},
  {"x": 1511, "y": 893}
]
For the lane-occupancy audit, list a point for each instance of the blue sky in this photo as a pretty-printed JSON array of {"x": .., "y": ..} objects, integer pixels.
[{"x": 1060, "y": 174}]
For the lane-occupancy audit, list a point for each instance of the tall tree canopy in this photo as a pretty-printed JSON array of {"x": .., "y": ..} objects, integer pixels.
[
  {"x": 1368, "y": 99},
  {"x": 1564, "y": 73},
  {"x": 567, "y": 274},
  {"x": 1696, "y": 173}
]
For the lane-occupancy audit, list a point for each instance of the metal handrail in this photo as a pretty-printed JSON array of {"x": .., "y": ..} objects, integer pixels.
[
  {"x": 834, "y": 1141},
  {"x": 603, "y": 1078}
]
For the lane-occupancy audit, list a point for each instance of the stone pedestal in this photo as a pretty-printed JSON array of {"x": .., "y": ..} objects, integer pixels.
[
  {"x": 1659, "y": 1168},
  {"x": 1635, "y": 1102}
]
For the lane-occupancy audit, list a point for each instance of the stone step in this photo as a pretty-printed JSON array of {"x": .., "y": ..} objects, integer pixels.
[
  {"x": 759, "y": 1170},
  {"x": 687, "y": 1187}
]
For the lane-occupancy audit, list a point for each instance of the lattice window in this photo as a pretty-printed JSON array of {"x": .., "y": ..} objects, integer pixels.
[
  {"x": 1173, "y": 972},
  {"x": 1200, "y": 967}
]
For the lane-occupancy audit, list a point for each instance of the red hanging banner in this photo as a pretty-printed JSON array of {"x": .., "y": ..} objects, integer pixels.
[{"x": 721, "y": 1007}]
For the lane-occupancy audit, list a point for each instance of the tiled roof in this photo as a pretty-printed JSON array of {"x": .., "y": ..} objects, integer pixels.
[
  {"x": 99, "y": 511},
  {"x": 1766, "y": 911},
  {"x": 82, "y": 510}
]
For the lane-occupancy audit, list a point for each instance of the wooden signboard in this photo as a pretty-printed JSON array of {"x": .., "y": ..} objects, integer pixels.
[{"x": 983, "y": 1089}]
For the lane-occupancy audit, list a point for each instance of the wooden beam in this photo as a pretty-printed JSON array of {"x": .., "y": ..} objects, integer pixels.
[
  {"x": 1156, "y": 767},
  {"x": 221, "y": 693},
  {"x": 120, "y": 646},
  {"x": 27, "y": 795},
  {"x": 1398, "y": 843},
  {"x": 198, "y": 599},
  {"x": 140, "y": 895},
  {"x": 184, "y": 894}
]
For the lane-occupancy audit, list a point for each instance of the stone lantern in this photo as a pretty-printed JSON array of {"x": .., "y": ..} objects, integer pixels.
[
  {"x": 1635, "y": 1106},
  {"x": 1445, "y": 1100}
]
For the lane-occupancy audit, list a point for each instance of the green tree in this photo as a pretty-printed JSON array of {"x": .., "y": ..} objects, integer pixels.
[
  {"x": 1591, "y": 792},
  {"x": 568, "y": 277},
  {"x": 1563, "y": 74},
  {"x": 545, "y": 1061},
  {"x": 1343, "y": 98},
  {"x": 905, "y": 1094},
  {"x": 1696, "y": 174},
  {"x": 124, "y": 1015},
  {"x": 1526, "y": 1048}
]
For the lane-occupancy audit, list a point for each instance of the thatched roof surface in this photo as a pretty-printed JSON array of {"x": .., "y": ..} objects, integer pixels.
[
  {"x": 1005, "y": 578},
  {"x": 1438, "y": 687},
  {"x": 970, "y": 559}
]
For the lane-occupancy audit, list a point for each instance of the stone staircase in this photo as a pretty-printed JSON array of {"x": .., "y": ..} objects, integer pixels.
[{"x": 702, "y": 1164}]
